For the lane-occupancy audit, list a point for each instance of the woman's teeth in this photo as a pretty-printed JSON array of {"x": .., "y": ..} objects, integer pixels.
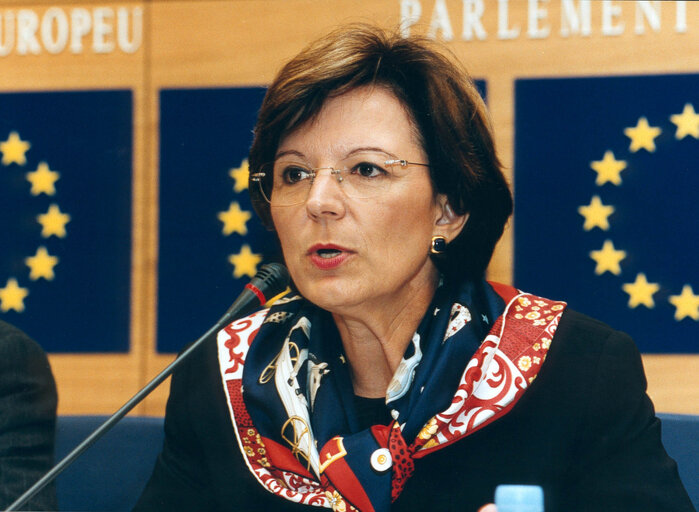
[{"x": 328, "y": 253}]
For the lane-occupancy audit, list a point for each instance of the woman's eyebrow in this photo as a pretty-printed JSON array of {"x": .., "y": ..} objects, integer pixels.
[
  {"x": 370, "y": 149},
  {"x": 352, "y": 152},
  {"x": 289, "y": 152}
]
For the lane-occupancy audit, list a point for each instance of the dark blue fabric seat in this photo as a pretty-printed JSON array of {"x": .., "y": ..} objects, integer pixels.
[
  {"x": 680, "y": 434},
  {"x": 110, "y": 475}
]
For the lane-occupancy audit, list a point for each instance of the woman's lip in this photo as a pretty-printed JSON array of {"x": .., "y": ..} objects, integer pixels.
[
  {"x": 333, "y": 247},
  {"x": 325, "y": 263},
  {"x": 329, "y": 263}
]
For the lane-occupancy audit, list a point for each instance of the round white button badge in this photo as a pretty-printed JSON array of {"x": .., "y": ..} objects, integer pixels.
[{"x": 381, "y": 460}]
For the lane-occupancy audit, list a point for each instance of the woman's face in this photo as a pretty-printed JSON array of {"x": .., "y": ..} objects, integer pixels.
[{"x": 346, "y": 254}]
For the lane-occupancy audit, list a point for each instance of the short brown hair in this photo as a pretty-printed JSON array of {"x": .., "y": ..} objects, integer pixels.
[{"x": 446, "y": 108}]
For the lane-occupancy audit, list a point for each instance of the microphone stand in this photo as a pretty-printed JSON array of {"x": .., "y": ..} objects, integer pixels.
[{"x": 271, "y": 276}]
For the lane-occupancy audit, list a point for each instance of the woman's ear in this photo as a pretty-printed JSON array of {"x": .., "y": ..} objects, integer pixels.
[{"x": 448, "y": 223}]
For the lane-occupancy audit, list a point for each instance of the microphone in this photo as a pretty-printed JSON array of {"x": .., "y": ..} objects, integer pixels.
[{"x": 270, "y": 280}]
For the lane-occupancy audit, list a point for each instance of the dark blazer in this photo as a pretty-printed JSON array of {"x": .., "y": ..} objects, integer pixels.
[
  {"x": 27, "y": 419},
  {"x": 585, "y": 431}
]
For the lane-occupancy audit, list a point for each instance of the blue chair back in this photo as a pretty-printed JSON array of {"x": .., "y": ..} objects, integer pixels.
[
  {"x": 110, "y": 475},
  {"x": 680, "y": 433}
]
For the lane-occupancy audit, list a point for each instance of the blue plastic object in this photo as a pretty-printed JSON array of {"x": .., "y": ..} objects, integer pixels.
[{"x": 519, "y": 498}]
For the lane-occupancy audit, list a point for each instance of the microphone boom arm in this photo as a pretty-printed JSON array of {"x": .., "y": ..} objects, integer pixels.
[{"x": 271, "y": 280}]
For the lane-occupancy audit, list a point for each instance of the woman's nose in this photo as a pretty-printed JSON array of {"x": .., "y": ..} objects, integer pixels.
[{"x": 325, "y": 197}]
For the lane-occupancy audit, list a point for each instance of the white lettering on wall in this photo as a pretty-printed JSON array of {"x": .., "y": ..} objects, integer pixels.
[
  {"x": 7, "y": 33},
  {"x": 681, "y": 17},
  {"x": 130, "y": 44},
  {"x": 440, "y": 22},
  {"x": 610, "y": 14},
  {"x": 473, "y": 12},
  {"x": 55, "y": 22},
  {"x": 575, "y": 19},
  {"x": 536, "y": 13},
  {"x": 102, "y": 22},
  {"x": 57, "y": 29},
  {"x": 410, "y": 13},
  {"x": 504, "y": 32},
  {"x": 81, "y": 24},
  {"x": 648, "y": 11},
  {"x": 27, "y": 24}
]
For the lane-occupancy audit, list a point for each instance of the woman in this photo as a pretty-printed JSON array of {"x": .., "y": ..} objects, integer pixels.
[{"x": 397, "y": 378}]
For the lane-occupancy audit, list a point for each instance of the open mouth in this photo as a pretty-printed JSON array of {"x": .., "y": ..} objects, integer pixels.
[
  {"x": 328, "y": 256},
  {"x": 328, "y": 253}
]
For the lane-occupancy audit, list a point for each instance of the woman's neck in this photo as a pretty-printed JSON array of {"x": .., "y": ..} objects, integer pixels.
[{"x": 375, "y": 341}]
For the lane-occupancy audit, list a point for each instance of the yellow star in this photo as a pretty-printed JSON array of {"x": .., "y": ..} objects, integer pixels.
[
  {"x": 41, "y": 264},
  {"x": 234, "y": 220},
  {"x": 12, "y": 296},
  {"x": 53, "y": 222},
  {"x": 13, "y": 150},
  {"x": 596, "y": 214},
  {"x": 686, "y": 304},
  {"x": 608, "y": 259},
  {"x": 245, "y": 262},
  {"x": 240, "y": 175},
  {"x": 608, "y": 169},
  {"x": 642, "y": 136},
  {"x": 687, "y": 122},
  {"x": 641, "y": 292},
  {"x": 43, "y": 180}
]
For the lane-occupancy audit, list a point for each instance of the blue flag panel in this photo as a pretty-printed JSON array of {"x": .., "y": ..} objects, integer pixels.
[
  {"x": 482, "y": 87},
  {"x": 606, "y": 213},
  {"x": 211, "y": 242},
  {"x": 65, "y": 217}
]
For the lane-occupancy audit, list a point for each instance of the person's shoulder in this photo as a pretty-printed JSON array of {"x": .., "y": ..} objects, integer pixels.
[
  {"x": 575, "y": 323},
  {"x": 580, "y": 322},
  {"x": 25, "y": 374},
  {"x": 580, "y": 334},
  {"x": 16, "y": 345}
]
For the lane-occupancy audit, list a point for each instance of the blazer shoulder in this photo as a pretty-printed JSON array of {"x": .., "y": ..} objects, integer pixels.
[
  {"x": 19, "y": 352},
  {"x": 580, "y": 326},
  {"x": 576, "y": 320},
  {"x": 592, "y": 341}
]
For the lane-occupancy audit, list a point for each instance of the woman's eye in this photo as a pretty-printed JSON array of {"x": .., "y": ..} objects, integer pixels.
[
  {"x": 368, "y": 170},
  {"x": 294, "y": 174}
]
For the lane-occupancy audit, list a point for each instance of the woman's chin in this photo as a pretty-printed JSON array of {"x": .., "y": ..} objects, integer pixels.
[{"x": 333, "y": 295}]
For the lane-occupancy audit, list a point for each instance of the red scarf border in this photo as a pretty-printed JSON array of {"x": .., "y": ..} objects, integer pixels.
[{"x": 495, "y": 378}]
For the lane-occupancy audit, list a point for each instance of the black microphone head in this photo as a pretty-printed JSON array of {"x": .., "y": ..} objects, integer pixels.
[{"x": 272, "y": 279}]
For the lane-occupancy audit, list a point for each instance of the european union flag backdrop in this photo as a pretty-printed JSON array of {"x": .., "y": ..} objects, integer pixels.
[
  {"x": 606, "y": 183},
  {"x": 65, "y": 217},
  {"x": 211, "y": 241}
]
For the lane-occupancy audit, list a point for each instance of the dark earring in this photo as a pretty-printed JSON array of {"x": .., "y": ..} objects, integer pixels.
[{"x": 439, "y": 245}]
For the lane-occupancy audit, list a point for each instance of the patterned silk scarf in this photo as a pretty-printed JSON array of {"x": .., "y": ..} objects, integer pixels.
[{"x": 290, "y": 394}]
